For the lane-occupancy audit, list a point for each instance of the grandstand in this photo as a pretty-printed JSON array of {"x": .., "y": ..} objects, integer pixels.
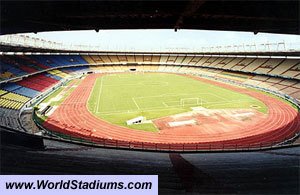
[
  {"x": 261, "y": 69},
  {"x": 45, "y": 72}
]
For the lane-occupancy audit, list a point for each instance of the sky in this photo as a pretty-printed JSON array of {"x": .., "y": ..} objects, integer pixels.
[{"x": 164, "y": 39}]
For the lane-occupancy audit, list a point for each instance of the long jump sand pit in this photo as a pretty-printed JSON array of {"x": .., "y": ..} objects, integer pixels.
[{"x": 202, "y": 121}]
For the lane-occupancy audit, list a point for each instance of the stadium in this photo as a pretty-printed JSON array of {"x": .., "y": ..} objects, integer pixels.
[{"x": 210, "y": 121}]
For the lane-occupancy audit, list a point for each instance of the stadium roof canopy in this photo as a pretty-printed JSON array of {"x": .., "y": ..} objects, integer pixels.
[{"x": 253, "y": 16}]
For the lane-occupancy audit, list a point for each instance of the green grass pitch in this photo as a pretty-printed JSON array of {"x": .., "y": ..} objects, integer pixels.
[{"x": 117, "y": 98}]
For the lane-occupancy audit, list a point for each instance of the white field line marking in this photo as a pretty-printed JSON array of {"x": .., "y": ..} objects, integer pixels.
[
  {"x": 170, "y": 102},
  {"x": 163, "y": 95},
  {"x": 217, "y": 96},
  {"x": 98, "y": 102},
  {"x": 182, "y": 94},
  {"x": 113, "y": 105},
  {"x": 203, "y": 103},
  {"x": 171, "y": 107},
  {"x": 110, "y": 85},
  {"x": 150, "y": 109},
  {"x": 130, "y": 111},
  {"x": 135, "y": 103},
  {"x": 178, "y": 102},
  {"x": 236, "y": 100},
  {"x": 165, "y": 104},
  {"x": 141, "y": 84},
  {"x": 170, "y": 95},
  {"x": 224, "y": 102},
  {"x": 124, "y": 76}
]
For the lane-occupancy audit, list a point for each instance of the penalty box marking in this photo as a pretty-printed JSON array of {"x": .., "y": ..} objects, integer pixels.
[
  {"x": 166, "y": 106},
  {"x": 163, "y": 95},
  {"x": 165, "y": 103},
  {"x": 170, "y": 95}
]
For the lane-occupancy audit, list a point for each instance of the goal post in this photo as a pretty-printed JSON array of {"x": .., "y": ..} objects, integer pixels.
[{"x": 190, "y": 101}]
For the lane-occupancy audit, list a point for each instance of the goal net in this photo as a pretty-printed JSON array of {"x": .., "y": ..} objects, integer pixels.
[{"x": 190, "y": 101}]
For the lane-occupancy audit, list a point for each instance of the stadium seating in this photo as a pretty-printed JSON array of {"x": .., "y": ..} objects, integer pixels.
[
  {"x": 10, "y": 104},
  {"x": 38, "y": 82},
  {"x": 59, "y": 74},
  {"x": 19, "y": 65},
  {"x": 277, "y": 74},
  {"x": 9, "y": 118},
  {"x": 26, "y": 92},
  {"x": 56, "y": 61},
  {"x": 10, "y": 71},
  {"x": 15, "y": 94},
  {"x": 13, "y": 66},
  {"x": 2, "y": 92},
  {"x": 76, "y": 69},
  {"x": 15, "y": 97},
  {"x": 11, "y": 100},
  {"x": 272, "y": 66}
]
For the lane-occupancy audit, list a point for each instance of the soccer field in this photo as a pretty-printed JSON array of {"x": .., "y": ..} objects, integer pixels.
[{"x": 117, "y": 98}]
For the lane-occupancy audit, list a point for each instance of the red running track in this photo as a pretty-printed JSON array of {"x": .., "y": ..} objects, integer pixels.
[{"x": 73, "y": 118}]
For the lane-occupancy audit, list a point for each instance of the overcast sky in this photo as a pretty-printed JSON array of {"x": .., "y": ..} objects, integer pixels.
[{"x": 164, "y": 39}]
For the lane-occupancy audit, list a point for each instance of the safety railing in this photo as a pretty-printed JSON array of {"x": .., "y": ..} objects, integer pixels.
[
  {"x": 219, "y": 146},
  {"x": 164, "y": 147},
  {"x": 156, "y": 147}
]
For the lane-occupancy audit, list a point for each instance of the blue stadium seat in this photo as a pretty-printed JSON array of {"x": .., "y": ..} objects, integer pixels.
[
  {"x": 53, "y": 76},
  {"x": 10, "y": 86},
  {"x": 26, "y": 92},
  {"x": 77, "y": 68}
]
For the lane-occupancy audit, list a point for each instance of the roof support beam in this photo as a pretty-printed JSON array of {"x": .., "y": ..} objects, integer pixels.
[{"x": 191, "y": 8}]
